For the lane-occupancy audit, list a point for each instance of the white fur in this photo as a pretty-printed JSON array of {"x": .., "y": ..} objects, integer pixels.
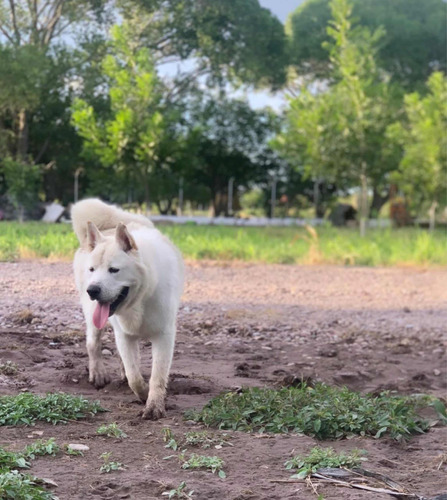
[{"x": 154, "y": 274}]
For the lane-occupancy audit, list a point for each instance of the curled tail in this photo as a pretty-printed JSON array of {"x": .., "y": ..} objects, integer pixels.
[{"x": 104, "y": 217}]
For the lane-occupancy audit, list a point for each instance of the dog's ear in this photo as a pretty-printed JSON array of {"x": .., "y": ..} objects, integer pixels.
[
  {"x": 93, "y": 236},
  {"x": 124, "y": 238}
]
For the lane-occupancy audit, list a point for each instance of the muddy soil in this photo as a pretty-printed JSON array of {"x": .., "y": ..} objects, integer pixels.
[{"x": 239, "y": 325}]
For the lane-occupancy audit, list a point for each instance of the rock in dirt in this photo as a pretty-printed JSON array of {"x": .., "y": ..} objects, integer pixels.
[{"x": 78, "y": 447}]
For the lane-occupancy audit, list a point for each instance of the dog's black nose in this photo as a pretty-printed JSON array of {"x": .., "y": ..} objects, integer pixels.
[{"x": 94, "y": 291}]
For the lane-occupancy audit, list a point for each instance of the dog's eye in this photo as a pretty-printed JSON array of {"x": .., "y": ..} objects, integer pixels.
[
  {"x": 91, "y": 269},
  {"x": 113, "y": 270}
]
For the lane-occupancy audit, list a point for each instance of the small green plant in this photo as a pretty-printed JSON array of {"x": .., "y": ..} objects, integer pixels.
[
  {"x": 73, "y": 453},
  {"x": 27, "y": 408},
  {"x": 108, "y": 465},
  {"x": 17, "y": 486},
  {"x": 205, "y": 439},
  {"x": 320, "y": 411},
  {"x": 111, "y": 430},
  {"x": 8, "y": 368},
  {"x": 323, "y": 457},
  {"x": 41, "y": 448},
  {"x": 214, "y": 464},
  {"x": 168, "y": 437},
  {"x": 179, "y": 492},
  {"x": 20, "y": 459}
]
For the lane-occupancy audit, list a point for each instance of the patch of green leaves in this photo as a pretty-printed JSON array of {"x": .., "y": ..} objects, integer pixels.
[
  {"x": 323, "y": 457},
  {"x": 27, "y": 408},
  {"x": 214, "y": 464},
  {"x": 20, "y": 459},
  {"x": 205, "y": 439},
  {"x": 111, "y": 430},
  {"x": 321, "y": 411},
  {"x": 8, "y": 368},
  {"x": 17, "y": 486},
  {"x": 109, "y": 465},
  {"x": 168, "y": 437},
  {"x": 179, "y": 492}
]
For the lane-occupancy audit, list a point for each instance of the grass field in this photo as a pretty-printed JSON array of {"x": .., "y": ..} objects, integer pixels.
[{"x": 270, "y": 245}]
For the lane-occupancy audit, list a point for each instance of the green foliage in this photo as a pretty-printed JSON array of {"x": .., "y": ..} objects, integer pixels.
[
  {"x": 322, "y": 411},
  {"x": 422, "y": 138},
  {"x": 323, "y": 457},
  {"x": 169, "y": 438},
  {"x": 8, "y": 368},
  {"x": 55, "y": 408},
  {"x": 205, "y": 439},
  {"x": 111, "y": 430},
  {"x": 17, "y": 486},
  {"x": 179, "y": 492},
  {"x": 108, "y": 465},
  {"x": 414, "y": 36},
  {"x": 22, "y": 181},
  {"x": 214, "y": 464}
]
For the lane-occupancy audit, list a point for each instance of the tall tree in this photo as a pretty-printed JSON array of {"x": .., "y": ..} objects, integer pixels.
[
  {"x": 422, "y": 138},
  {"x": 127, "y": 140},
  {"x": 413, "y": 44},
  {"x": 231, "y": 142}
]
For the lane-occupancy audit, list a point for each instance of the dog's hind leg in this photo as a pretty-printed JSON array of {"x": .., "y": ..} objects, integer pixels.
[
  {"x": 162, "y": 352},
  {"x": 129, "y": 350}
]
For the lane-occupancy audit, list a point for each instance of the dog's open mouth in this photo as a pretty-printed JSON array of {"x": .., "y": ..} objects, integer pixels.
[{"x": 105, "y": 309}]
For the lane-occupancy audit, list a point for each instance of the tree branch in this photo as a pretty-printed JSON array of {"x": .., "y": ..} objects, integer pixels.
[{"x": 14, "y": 21}]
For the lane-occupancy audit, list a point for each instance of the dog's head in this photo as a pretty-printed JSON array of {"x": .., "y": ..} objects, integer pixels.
[{"x": 111, "y": 270}]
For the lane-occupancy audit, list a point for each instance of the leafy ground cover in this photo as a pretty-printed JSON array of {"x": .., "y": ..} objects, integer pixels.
[{"x": 321, "y": 411}]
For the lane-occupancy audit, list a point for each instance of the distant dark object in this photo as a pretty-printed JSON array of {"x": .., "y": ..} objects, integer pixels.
[
  {"x": 342, "y": 214},
  {"x": 10, "y": 212}
]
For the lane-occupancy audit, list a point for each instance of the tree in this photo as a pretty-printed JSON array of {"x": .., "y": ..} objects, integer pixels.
[
  {"x": 335, "y": 135},
  {"x": 231, "y": 142},
  {"x": 414, "y": 40},
  {"x": 422, "y": 139},
  {"x": 127, "y": 140},
  {"x": 234, "y": 40}
]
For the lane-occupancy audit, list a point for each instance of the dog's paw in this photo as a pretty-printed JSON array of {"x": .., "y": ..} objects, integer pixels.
[
  {"x": 154, "y": 411},
  {"x": 99, "y": 378}
]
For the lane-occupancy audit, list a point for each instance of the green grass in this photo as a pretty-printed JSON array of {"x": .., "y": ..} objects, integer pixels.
[
  {"x": 323, "y": 457},
  {"x": 321, "y": 411},
  {"x": 326, "y": 245},
  {"x": 27, "y": 408}
]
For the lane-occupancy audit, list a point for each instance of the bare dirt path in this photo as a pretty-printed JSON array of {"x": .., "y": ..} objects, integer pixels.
[{"x": 240, "y": 324}]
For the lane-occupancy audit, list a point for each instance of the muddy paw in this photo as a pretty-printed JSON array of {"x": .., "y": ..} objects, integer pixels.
[
  {"x": 154, "y": 411},
  {"x": 99, "y": 378}
]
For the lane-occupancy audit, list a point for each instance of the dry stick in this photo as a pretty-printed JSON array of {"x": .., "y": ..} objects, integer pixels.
[{"x": 362, "y": 487}]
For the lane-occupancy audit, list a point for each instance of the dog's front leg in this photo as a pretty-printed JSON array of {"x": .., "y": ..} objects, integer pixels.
[
  {"x": 162, "y": 352},
  {"x": 97, "y": 373},
  {"x": 129, "y": 350}
]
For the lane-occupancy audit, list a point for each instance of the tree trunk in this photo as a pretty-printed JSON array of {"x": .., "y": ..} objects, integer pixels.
[
  {"x": 146, "y": 193},
  {"x": 432, "y": 216},
  {"x": 22, "y": 136},
  {"x": 363, "y": 205}
]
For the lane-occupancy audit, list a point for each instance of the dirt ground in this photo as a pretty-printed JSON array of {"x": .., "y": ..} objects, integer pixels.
[{"x": 239, "y": 325}]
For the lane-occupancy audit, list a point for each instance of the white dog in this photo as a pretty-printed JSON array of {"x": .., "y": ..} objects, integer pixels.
[{"x": 127, "y": 272}]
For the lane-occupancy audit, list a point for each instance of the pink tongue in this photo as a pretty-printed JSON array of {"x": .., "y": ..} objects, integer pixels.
[{"x": 101, "y": 315}]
